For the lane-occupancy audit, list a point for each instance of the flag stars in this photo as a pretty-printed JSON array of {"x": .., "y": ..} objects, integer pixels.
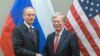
[
  {"x": 92, "y": 3},
  {"x": 97, "y": 11},
  {"x": 91, "y": 9},
  {"x": 86, "y": 7},
  {"x": 97, "y": 5},
  {"x": 82, "y": 0},
  {"x": 87, "y": 1},
  {"x": 90, "y": 15}
]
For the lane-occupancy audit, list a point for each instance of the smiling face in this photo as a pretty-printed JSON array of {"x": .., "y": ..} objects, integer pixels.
[
  {"x": 58, "y": 23},
  {"x": 29, "y": 15}
]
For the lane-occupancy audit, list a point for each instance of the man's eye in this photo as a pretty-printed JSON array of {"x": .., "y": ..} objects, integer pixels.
[
  {"x": 30, "y": 14},
  {"x": 56, "y": 21}
]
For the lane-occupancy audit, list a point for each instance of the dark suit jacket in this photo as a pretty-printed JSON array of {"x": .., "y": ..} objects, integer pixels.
[
  {"x": 23, "y": 43},
  {"x": 68, "y": 45}
]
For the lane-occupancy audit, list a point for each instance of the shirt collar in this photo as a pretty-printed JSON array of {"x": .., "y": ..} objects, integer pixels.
[
  {"x": 28, "y": 25},
  {"x": 61, "y": 32}
]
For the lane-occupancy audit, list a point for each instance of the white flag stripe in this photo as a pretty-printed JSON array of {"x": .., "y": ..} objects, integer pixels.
[
  {"x": 87, "y": 23},
  {"x": 97, "y": 19},
  {"x": 81, "y": 53},
  {"x": 80, "y": 34},
  {"x": 44, "y": 11}
]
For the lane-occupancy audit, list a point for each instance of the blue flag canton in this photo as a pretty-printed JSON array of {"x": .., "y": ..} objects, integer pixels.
[{"x": 90, "y": 7}]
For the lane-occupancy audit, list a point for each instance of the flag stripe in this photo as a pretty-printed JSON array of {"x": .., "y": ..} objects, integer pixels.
[
  {"x": 82, "y": 48},
  {"x": 6, "y": 40},
  {"x": 18, "y": 18},
  {"x": 95, "y": 26},
  {"x": 80, "y": 34},
  {"x": 17, "y": 11},
  {"x": 44, "y": 12},
  {"x": 84, "y": 29},
  {"x": 97, "y": 19},
  {"x": 86, "y": 22},
  {"x": 81, "y": 54}
]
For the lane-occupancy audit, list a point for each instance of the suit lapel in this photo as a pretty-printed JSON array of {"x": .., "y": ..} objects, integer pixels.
[
  {"x": 52, "y": 42},
  {"x": 35, "y": 36},
  {"x": 27, "y": 33}
]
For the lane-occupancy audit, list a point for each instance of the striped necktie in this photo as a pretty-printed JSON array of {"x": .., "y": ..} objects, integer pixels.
[{"x": 56, "y": 42}]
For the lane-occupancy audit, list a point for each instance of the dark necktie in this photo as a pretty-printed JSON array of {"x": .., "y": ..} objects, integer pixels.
[
  {"x": 56, "y": 42},
  {"x": 33, "y": 34}
]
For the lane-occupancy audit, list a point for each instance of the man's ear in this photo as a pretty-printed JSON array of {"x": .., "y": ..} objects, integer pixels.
[{"x": 23, "y": 16}]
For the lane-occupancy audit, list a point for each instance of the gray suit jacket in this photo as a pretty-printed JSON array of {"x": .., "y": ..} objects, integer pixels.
[
  {"x": 23, "y": 42},
  {"x": 68, "y": 45}
]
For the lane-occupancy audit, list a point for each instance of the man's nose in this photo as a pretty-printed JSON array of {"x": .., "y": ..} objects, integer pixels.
[
  {"x": 56, "y": 22},
  {"x": 31, "y": 16}
]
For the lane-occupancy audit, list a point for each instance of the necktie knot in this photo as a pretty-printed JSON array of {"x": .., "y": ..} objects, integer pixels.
[
  {"x": 30, "y": 28},
  {"x": 57, "y": 34}
]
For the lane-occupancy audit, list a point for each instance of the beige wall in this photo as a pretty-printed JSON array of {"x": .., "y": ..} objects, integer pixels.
[
  {"x": 5, "y": 7},
  {"x": 61, "y": 5}
]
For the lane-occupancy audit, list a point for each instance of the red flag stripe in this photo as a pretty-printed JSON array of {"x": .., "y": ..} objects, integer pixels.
[
  {"x": 95, "y": 26},
  {"x": 68, "y": 25},
  {"x": 84, "y": 30},
  {"x": 82, "y": 48},
  {"x": 80, "y": 34},
  {"x": 6, "y": 38},
  {"x": 86, "y": 22}
]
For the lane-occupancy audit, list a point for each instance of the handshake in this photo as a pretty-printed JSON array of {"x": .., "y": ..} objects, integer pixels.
[{"x": 38, "y": 54}]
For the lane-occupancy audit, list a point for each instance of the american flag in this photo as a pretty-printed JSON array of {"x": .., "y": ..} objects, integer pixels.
[{"x": 84, "y": 19}]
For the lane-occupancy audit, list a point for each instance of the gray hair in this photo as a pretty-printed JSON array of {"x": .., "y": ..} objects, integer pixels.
[
  {"x": 26, "y": 9},
  {"x": 64, "y": 17}
]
